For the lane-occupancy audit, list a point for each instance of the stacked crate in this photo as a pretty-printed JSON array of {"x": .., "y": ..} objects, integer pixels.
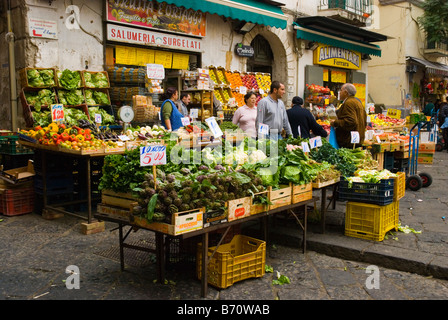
[{"x": 372, "y": 208}]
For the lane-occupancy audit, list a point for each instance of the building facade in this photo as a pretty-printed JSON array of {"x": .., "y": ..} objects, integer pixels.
[{"x": 300, "y": 43}]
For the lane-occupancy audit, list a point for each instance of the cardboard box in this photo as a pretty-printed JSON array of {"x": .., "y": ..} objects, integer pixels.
[
  {"x": 425, "y": 158},
  {"x": 238, "y": 208},
  {"x": 427, "y": 147},
  {"x": 18, "y": 175},
  {"x": 214, "y": 217}
]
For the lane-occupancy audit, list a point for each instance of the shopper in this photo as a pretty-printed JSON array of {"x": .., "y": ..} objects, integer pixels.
[
  {"x": 171, "y": 116},
  {"x": 428, "y": 109},
  {"x": 271, "y": 111},
  {"x": 443, "y": 114},
  {"x": 351, "y": 116},
  {"x": 246, "y": 115},
  {"x": 302, "y": 121},
  {"x": 183, "y": 102}
]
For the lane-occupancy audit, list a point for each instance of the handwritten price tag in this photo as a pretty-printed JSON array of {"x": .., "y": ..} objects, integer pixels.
[
  {"x": 152, "y": 155},
  {"x": 155, "y": 71},
  {"x": 305, "y": 147},
  {"x": 57, "y": 112},
  {"x": 316, "y": 142},
  {"x": 214, "y": 127},
  {"x": 194, "y": 113},
  {"x": 185, "y": 121},
  {"x": 98, "y": 118},
  {"x": 355, "y": 136},
  {"x": 263, "y": 129}
]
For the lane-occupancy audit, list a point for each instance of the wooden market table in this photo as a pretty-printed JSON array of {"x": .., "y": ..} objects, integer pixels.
[
  {"x": 47, "y": 151},
  {"x": 160, "y": 247}
]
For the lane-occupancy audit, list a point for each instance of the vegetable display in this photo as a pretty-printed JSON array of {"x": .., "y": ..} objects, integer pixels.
[
  {"x": 106, "y": 118},
  {"x": 43, "y": 97},
  {"x": 40, "y": 78},
  {"x": 71, "y": 97},
  {"x": 95, "y": 79},
  {"x": 96, "y": 97},
  {"x": 69, "y": 80}
]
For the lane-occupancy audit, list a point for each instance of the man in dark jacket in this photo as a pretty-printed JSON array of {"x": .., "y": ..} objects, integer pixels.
[
  {"x": 352, "y": 116},
  {"x": 443, "y": 113},
  {"x": 301, "y": 117}
]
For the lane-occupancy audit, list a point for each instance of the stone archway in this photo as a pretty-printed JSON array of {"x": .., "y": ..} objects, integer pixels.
[{"x": 284, "y": 64}]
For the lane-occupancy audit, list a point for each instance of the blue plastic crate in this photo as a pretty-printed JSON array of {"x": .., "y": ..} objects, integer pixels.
[{"x": 381, "y": 193}]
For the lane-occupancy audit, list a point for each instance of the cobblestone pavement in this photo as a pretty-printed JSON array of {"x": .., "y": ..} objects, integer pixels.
[{"x": 34, "y": 255}]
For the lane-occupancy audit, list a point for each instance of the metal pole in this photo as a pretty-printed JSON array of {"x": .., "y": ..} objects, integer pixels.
[{"x": 12, "y": 70}]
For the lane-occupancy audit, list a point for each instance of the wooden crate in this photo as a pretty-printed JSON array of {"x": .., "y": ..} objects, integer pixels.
[
  {"x": 238, "y": 208},
  {"x": 24, "y": 77},
  {"x": 117, "y": 199},
  {"x": 280, "y": 197},
  {"x": 181, "y": 222},
  {"x": 256, "y": 208}
]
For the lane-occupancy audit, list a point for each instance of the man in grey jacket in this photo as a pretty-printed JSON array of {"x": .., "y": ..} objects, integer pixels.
[{"x": 271, "y": 111}]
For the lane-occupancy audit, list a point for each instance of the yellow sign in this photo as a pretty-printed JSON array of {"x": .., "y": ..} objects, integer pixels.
[
  {"x": 180, "y": 61},
  {"x": 394, "y": 113},
  {"x": 164, "y": 58},
  {"x": 337, "y": 57}
]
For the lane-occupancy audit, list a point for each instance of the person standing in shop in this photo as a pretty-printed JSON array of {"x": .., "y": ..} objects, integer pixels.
[
  {"x": 246, "y": 115},
  {"x": 271, "y": 111},
  {"x": 351, "y": 116},
  {"x": 170, "y": 115},
  {"x": 443, "y": 113},
  {"x": 429, "y": 109},
  {"x": 183, "y": 102},
  {"x": 302, "y": 119}
]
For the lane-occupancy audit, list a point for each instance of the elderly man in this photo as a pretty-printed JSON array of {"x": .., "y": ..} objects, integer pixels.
[{"x": 351, "y": 115}]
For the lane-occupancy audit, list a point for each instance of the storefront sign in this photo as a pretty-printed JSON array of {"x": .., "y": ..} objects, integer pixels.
[
  {"x": 40, "y": 28},
  {"x": 244, "y": 51},
  {"x": 337, "y": 57},
  {"x": 157, "y": 15},
  {"x": 150, "y": 38}
]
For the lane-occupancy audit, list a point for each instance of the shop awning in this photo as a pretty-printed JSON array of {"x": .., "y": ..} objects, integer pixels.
[
  {"x": 258, "y": 12},
  {"x": 339, "y": 34},
  {"x": 431, "y": 67}
]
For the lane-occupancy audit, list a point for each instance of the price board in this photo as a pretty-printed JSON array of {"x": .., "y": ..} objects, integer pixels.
[
  {"x": 394, "y": 113},
  {"x": 316, "y": 142},
  {"x": 214, "y": 127},
  {"x": 155, "y": 71},
  {"x": 153, "y": 155},
  {"x": 57, "y": 113},
  {"x": 354, "y": 136}
]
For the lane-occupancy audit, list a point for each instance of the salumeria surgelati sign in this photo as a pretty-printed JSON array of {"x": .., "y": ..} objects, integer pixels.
[
  {"x": 150, "y": 38},
  {"x": 337, "y": 57}
]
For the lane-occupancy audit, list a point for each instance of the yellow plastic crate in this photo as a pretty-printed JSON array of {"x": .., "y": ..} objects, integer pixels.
[
  {"x": 399, "y": 186},
  {"x": 370, "y": 221},
  {"x": 244, "y": 257}
]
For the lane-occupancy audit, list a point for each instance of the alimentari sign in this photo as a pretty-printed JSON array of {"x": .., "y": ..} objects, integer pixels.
[{"x": 337, "y": 57}]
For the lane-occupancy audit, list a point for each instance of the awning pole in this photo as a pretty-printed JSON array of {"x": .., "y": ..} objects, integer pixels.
[{"x": 12, "y": 70}]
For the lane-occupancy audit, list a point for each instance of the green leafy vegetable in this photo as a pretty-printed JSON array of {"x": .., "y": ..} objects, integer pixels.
[{"x": 70, "y": 80}]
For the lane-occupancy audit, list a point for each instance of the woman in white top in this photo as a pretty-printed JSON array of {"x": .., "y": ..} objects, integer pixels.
[{"x": 246, "y": 115}]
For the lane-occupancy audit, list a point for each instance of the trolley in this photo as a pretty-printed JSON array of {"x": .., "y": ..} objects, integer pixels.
[{"x": 416, "y": 180}]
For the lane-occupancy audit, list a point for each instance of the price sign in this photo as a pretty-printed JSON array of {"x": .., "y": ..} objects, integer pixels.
[
  {"x": 98, "y": 118},
  {"x": 354, "y": 136},
  {"x": 260, "y": 91},
  {"x": 316, "y": 142},
  {"x": 369, "y": 134},
  {"x": 214, "y": 127},
  {"x": 220, "y": 115},
  {"x": 185, "y": 121},
  {"x": 394, "y": 113},
  {"x": 155, "y": 71},
  {"x": 194, "y": 113},
  {"x": 243, "y": 90},
  {"x": 305, "y": 146},
  {"x": 124, "y": 137},
  {"x": 152, "y": 155},
  {"x": 263, "y": 129},
  {"x": 57, "y": 112}
]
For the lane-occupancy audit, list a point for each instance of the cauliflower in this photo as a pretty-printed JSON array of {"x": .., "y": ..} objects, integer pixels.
[{"x": 256, "y": 156}]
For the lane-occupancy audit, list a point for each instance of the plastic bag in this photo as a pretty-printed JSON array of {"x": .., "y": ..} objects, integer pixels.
[
  {"x": 332, "y": 138},
  {"x": 445, "y": 124}
]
